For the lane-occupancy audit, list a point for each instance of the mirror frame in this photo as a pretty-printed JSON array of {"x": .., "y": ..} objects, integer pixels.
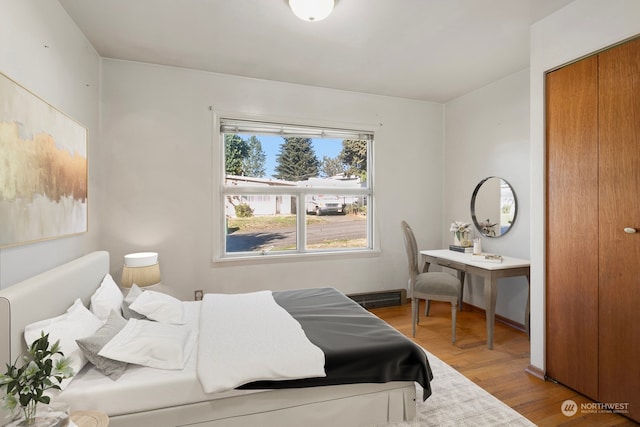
[{"x": 473, "y": 207}]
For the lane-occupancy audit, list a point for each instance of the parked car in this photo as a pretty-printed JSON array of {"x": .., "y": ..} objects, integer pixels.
[{"x": 321, "y": 205}]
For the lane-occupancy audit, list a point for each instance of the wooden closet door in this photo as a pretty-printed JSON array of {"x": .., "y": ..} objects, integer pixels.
[
  {"x": 572, "y": 226},
  {"x": 619, "y": 293}
]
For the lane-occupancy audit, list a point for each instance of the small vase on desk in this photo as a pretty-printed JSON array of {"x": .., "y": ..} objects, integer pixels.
[
  {"x": 461, "y": 238},
  {"x": 477, "y": 246}
]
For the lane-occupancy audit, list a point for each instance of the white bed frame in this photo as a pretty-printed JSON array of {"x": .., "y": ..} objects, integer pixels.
[{"x": 50, "y": 294}]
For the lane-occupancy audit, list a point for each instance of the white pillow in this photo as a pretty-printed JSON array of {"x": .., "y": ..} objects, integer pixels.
[
  {"x": 106, "y": 298},
  {"x": 78, "y": 322},
  {"x": 153, "y": 344},
  {"x": 159, "y": 307}
]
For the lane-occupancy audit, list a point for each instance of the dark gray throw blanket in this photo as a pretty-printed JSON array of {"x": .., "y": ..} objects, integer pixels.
[{"x": 358, "y": 346}]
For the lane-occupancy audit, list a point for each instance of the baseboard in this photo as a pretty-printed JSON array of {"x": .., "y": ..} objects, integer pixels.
[
  {"x": 536, "y": 372},
  {"x": 511, "y": 323}
]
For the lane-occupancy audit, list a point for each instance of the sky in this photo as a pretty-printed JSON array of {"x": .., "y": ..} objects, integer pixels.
[{"x": 271, "y": 146}]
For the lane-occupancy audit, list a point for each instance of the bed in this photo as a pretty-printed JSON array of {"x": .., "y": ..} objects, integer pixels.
[{"x": 175, "y": 398}]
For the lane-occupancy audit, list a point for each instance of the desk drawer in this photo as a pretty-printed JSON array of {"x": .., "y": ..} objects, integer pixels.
[{"x": 448, "y": 263}]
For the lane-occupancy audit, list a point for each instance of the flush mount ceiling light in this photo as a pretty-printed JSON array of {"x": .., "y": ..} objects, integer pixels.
[{"x": 311, "y": 10}]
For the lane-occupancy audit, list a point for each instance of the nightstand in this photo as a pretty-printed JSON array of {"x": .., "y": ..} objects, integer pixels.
[{"x": 90, "y": 419}]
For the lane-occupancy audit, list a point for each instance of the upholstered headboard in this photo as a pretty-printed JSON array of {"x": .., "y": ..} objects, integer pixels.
[{"x": 46, "y": 295}]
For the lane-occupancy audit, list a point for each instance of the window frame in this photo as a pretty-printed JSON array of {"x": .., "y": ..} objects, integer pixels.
[{"x": 221, "y": 190}]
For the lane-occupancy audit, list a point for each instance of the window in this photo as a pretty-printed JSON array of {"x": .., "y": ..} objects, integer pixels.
[{"x": 291, "y": 189}]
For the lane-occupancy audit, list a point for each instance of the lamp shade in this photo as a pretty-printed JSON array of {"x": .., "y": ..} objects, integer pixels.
[
  {"x": 141, "y": 259},
  {"x": 141, "y": 268},
  {"x": 311, "y": 10}
]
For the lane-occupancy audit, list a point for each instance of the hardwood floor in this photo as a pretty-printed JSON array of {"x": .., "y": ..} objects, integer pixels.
[{"x": 500, "y": 371}]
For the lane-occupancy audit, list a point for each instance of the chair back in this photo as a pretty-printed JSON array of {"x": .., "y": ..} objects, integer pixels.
[{"x": 412, "y": 253}]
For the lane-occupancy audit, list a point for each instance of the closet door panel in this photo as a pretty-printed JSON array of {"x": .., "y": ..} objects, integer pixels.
[
  {"x": 619, "y": 292},
  {"x": 572, "y": 226}
]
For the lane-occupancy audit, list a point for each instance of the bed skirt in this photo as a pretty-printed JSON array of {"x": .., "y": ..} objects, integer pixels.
[{"x": 338, "y": 406}]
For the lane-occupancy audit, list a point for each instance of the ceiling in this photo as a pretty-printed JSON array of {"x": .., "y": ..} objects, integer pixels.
[{"x": 432, "y": 50}]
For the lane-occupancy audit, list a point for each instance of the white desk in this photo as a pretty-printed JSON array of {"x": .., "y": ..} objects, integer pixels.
[{"x": 490, "y": 271}]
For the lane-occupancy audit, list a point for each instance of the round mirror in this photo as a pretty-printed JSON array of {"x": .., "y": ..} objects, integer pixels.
[{"x": 493, "y": 207}]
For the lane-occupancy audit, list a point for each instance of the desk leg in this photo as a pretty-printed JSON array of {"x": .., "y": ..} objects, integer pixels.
[
  {"x": 425, "y": 266},
  {"x": 490, "y": 295},
  {"x": 461, "y": 276},
  {"x": 527, "y": 315}
]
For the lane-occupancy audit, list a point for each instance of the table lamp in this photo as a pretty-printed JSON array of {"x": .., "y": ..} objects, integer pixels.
[{"x": 141, "y": 268}]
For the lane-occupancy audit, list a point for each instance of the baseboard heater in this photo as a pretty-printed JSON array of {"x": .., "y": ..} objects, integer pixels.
[{"x": 381, "y": 298}]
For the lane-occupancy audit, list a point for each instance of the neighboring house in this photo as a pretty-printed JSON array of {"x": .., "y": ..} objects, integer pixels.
[
  {"x": 282, "y": 204},
  {"x": 260, "y": 204}
]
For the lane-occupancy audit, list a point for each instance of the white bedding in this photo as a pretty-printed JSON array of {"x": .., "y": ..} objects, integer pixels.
[
  {"x": 153, "y": 344},
  {"x": 275, "y": 347},
  {"x": 141, "y": 388},
  {"x": 273, "y": 344}
]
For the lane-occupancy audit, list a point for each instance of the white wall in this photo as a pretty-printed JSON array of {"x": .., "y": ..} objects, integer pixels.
[
  {"x": 487, "y": 134},
  {"x": 158, "y": 139},
  {"x": 580, "y": 28},
  {"x": 44, "y": 51}
]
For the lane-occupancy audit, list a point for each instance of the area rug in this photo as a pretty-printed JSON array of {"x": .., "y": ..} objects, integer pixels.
[{"x": 457, "y": 401}]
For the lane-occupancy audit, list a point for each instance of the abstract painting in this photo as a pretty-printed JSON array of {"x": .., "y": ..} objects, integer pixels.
[{"x": 43, "y": 169}]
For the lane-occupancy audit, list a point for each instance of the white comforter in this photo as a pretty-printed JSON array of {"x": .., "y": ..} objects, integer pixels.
[{"x": 249, "y": 337}]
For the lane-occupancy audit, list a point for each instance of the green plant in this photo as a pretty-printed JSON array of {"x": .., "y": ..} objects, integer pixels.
[
  {"x": 39, "y": 371},
  {"x": 243, "y": 210}
]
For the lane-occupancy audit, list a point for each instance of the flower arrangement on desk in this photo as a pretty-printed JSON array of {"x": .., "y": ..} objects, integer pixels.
[{"x": 461, "y": 233}]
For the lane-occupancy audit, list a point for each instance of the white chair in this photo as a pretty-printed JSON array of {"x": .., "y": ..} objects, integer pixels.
[{"x": 428, "y": 286}]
